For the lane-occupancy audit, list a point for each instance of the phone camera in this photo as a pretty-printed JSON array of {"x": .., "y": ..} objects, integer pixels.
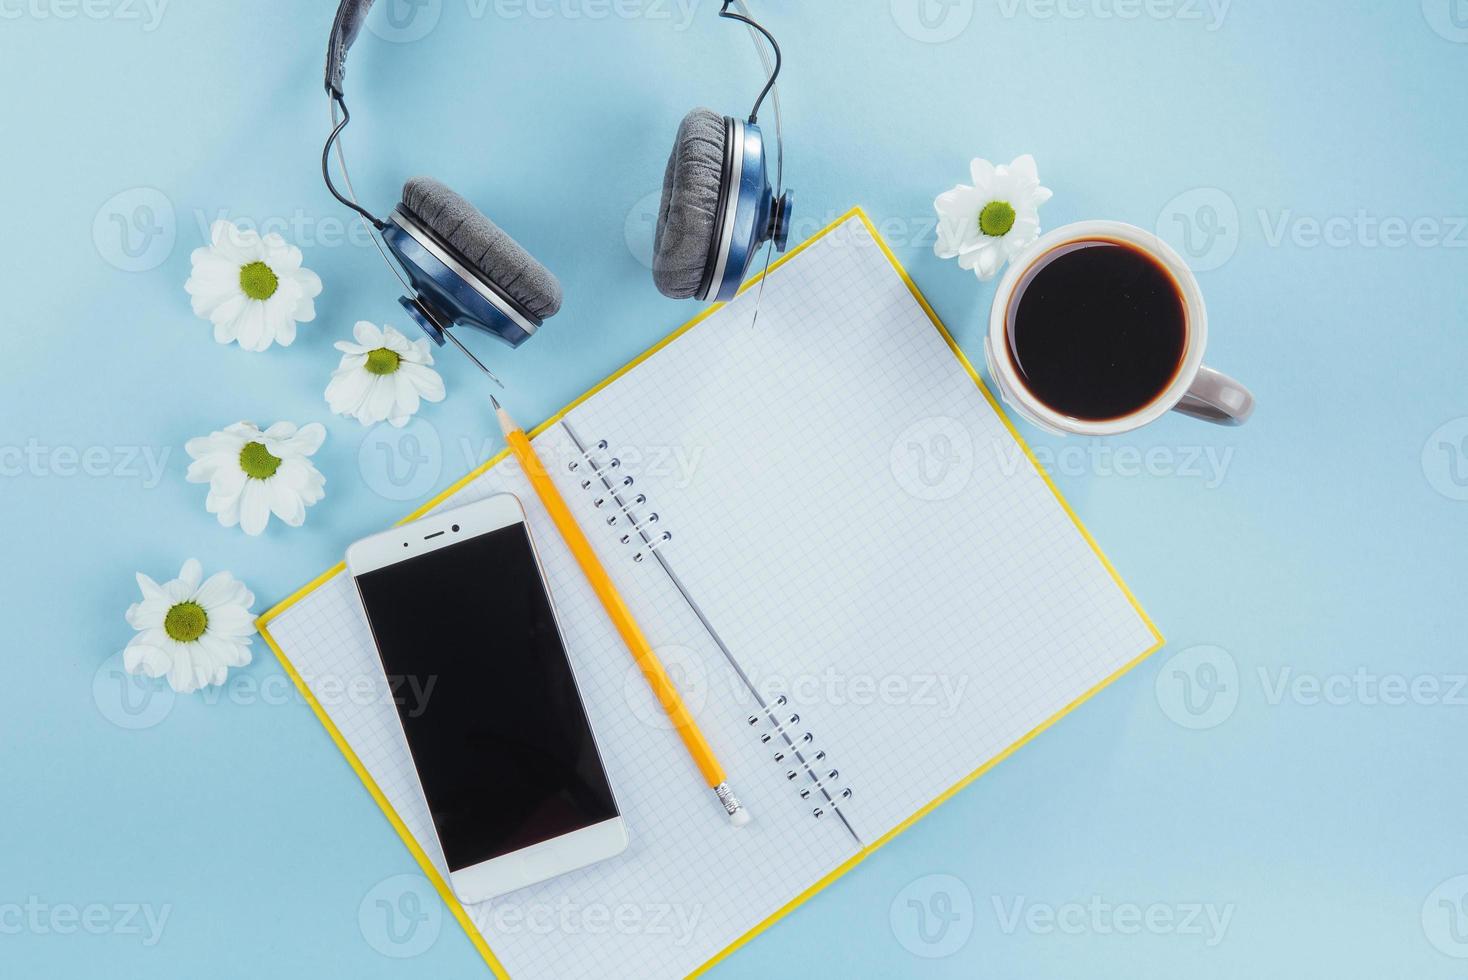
[{"x": 455, "y": 528}]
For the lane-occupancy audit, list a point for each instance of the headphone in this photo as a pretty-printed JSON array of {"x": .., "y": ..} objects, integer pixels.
[{"x": 459, "y": 267}]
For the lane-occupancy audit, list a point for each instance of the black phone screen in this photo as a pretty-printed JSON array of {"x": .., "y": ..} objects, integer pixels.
[{"x": 480, "y": 678}]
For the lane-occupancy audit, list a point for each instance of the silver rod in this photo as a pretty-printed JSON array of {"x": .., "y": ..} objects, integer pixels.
[
  {"x": 448, "y": 334},
  {"x": 719, "y": 641}
]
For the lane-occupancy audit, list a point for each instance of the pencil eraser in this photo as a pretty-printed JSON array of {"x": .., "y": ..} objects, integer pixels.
[{"x": 739, "y": 817}]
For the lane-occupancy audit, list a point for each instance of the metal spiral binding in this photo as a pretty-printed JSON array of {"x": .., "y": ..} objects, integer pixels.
[
  {"x": 795, "y": 749},
  {"x": 610, "y": 486},
  {"x": 798, "y": 750}
]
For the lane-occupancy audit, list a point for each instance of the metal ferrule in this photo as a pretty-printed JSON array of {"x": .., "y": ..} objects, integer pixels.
[{"x": 728, "y": 799}]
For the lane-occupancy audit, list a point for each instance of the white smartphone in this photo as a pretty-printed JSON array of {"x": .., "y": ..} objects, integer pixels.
[{"x": 505, "y": 752}]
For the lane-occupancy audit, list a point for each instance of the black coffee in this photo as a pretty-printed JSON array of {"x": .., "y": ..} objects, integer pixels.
[{"x": 1097, "y": 329}]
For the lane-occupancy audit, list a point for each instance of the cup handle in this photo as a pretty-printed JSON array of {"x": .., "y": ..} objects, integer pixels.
[{"x": 1215, "y": 397}]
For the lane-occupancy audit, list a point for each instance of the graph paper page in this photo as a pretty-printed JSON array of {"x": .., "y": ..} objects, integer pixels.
[{"x": 864, "y": 531}]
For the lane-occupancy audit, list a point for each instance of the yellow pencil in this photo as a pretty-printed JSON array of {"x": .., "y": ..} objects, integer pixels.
[{"x": 611, "y": 600}]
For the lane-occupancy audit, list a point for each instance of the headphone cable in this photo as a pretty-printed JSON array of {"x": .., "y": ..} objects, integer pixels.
[
  {"x": 370, "y": 223},
  {"x": 336, "y": 129},
  {"x": 773, "y": 88},
  {"x": 754, "y": 25}
]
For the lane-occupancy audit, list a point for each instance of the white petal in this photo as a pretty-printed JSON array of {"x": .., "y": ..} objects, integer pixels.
[
  {"x": 190, "y": 573},
  {"x": 142, "y": 657},
  {"x": 380, "y": 399},
  {"x": 231, "y": 620},
  {"x": 346, "y": 390},
  {"x": 981, "y": 172},
  {"x": 148, "y": 614},
  {"x": 990, "y": 260},
  {"x": 254, "y": 507},
  {"x": 426, "y": 381},
  {"x": 1023, "y": 167},
  {"x": 394, "y": 341},
  {"x": 149, "y": 588},
  {"x": 367, "y": 334},
  {"x": 250, "y": 326},
  {"x": 219, "y": 589},
  {"x": 309, "y": 281},
  {"x": 306, "y": 440},
  {"x": 225, "y": 489}
]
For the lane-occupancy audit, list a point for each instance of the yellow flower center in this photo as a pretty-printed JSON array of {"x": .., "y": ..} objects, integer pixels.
[
  {"x": 258, "y": 280},
  {"x": 258, "y": 462},
  {"x": 383, "y": 361},
  {"x": 186, "y": 622},
  {"x": 996, "y": 219}
]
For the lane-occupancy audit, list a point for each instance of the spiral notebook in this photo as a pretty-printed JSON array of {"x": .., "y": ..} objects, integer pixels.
[{"x": 867, "y": 590}]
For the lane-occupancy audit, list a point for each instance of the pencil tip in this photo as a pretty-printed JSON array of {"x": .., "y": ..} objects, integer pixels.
[{"x": 494, "y": 401}]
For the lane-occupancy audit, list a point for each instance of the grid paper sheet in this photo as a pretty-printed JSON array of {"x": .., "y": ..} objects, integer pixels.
[
  {"x": 868, "y": 539},
  {"x": 864, "y": 531}
]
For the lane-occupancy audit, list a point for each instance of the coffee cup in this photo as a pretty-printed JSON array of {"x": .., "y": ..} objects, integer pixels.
[{"x": 1099, "y": 328}]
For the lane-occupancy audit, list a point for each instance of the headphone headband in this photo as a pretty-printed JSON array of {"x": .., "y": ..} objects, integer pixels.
[{"x": 344, "y": 30}]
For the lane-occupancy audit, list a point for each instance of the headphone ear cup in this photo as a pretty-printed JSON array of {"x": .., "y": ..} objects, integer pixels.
[
  {"x": 482, "y": 246},
  {"x": 689, "y": 211}
]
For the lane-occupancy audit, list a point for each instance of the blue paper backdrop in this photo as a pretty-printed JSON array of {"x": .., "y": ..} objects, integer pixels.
[{"x": 1277, "y": 793}]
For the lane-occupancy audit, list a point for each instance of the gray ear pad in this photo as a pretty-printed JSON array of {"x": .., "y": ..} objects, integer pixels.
[
  {"x": 690, "y": 205},
  {"x": 483, "y": 246}
]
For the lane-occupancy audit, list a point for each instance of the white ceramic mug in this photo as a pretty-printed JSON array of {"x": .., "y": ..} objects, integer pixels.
[{"x": 1196, "y": 390}]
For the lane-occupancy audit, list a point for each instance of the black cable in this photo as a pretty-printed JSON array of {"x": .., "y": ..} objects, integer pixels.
[
  {"x": 326, "y": 167},
  {"x": 754, "y": 113}
]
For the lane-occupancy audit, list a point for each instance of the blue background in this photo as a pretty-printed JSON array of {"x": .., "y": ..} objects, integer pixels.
[{"x": 1330, "y": 541}]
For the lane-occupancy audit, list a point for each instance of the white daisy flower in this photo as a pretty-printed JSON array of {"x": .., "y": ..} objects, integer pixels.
[
  {"x": 382, "y": 376},
  {"x": 989, "y": 223},
  {"x": 253, "y": 474},
  {"x": 190, "y": 632},
  {"x": 254, "y": 290}
]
